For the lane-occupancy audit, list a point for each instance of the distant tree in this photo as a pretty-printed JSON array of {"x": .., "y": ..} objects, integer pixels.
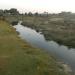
[
  {"x": 6, "y": 11},
  {"x": 1, "y": 12},
  {"x": 30, "y": 14},
  {"x": 13, "y": 11},
  {"x": 36, "y": 14},
  {"x": 26, "y": 13}
]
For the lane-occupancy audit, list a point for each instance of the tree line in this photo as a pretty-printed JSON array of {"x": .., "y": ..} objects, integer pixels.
[{"x": 14, "y": 11}]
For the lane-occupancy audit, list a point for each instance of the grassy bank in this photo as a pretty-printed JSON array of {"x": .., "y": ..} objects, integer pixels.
[{"x": 18, "y": 58}]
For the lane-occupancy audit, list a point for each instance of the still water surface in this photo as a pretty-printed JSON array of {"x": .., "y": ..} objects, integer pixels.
[{"x": 37, "y": 39}]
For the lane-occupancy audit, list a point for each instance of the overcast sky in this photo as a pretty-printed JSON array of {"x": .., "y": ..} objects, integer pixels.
[{"x": 39, "y": 5}]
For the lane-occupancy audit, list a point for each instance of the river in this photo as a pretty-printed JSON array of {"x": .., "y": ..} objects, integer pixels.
[{"x": 36, "y": 39}]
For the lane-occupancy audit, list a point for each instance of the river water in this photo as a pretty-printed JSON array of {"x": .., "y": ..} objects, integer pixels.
[{"x": 37, "y": 39}]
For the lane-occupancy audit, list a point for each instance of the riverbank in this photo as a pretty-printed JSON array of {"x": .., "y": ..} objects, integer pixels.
[
  {"x": 19, "y": 58},
  {"x": 59, "y": 28},
  {"x": 56, "y": 28}
]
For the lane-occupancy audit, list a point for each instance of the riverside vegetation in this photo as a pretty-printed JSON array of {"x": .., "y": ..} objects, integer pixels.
[{"x": 19, "y": 58}]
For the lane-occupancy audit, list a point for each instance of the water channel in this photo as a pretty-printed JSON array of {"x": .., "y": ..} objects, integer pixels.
[{"x": 36, "y": 39}]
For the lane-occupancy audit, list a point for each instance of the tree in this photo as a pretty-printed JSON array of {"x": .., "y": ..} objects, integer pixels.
[
  {"x": 6, "y": 11},
  {"x": 36, "y": 14},
  {"x": 2, "y": 15},
  {"x": 26, "y": 13},
  {"x": 1, "y": 12},
  {"x": 13, "y": 11},
  {"x": 30, "y": 14}
]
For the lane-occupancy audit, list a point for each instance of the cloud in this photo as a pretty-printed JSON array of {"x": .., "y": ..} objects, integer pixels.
[{"x": 40, "y": 5}]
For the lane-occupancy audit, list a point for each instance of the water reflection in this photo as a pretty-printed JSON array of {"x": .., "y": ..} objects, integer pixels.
[{"x": 38, "y": 40}]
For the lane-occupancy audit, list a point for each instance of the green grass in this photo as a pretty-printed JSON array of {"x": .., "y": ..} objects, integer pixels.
[{"x": 19, "y": 58}]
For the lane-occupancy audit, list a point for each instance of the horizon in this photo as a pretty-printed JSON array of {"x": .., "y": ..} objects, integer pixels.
[
  {"x": 39, "y": 6},
  {"x": 21, "y": 11}
]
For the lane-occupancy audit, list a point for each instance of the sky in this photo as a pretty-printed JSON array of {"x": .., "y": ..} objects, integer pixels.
[{"x": 52, "y": 6}]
